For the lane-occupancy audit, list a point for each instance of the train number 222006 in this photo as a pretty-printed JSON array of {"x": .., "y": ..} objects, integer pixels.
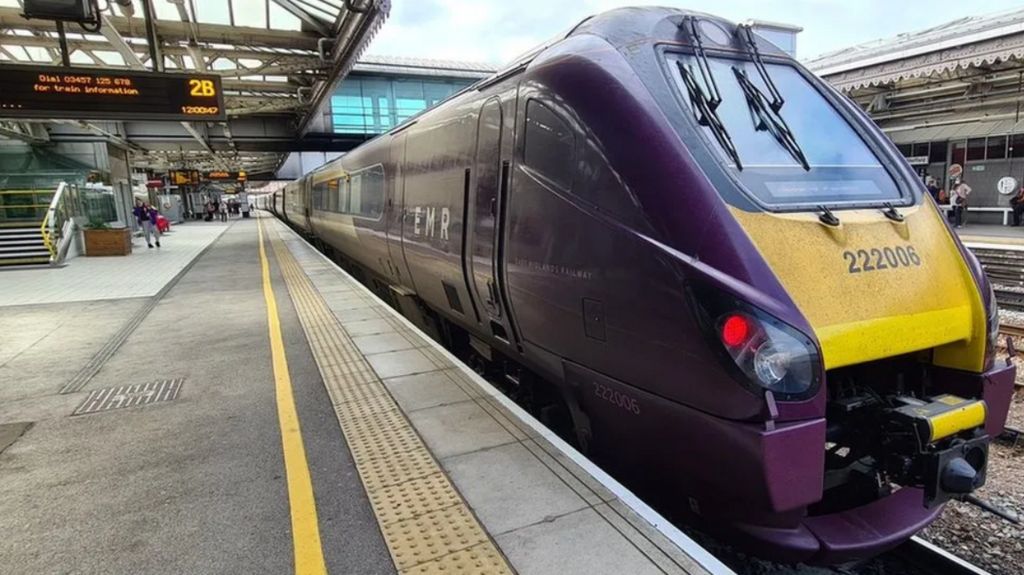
[
  {"x": 616, "y": 398},
  {"x": 881, "y": 259}
]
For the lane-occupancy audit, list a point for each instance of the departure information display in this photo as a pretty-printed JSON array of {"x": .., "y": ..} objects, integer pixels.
[{"x": 77, "y": 93}]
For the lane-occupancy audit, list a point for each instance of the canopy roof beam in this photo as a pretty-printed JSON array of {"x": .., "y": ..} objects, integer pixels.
[{"x": 29, "y": 133}]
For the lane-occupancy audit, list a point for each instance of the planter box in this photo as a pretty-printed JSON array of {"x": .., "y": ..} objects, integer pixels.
[{"x": 116, "y": 242}]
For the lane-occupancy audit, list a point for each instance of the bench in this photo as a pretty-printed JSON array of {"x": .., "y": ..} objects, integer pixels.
[{"x": 1006, "y": 211}]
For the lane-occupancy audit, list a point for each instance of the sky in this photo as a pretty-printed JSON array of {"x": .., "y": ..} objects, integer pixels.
[{"x": 496, "y": 31}]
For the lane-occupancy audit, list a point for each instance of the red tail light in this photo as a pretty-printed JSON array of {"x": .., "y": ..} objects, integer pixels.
[{"x": 735, "y": 330}]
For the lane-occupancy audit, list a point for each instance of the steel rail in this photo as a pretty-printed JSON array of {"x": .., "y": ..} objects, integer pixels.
[{"x": 934, "y": 559}]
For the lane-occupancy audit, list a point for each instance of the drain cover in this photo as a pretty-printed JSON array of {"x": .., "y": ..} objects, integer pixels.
[{"x": 130, "y": 396}]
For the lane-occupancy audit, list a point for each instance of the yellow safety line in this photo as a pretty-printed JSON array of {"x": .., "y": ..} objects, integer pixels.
[
  {"x": 309, "y": 554},
  {"x": 428, "y": 528}
]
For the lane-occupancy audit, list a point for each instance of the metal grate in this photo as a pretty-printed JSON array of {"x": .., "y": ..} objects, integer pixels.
[{"x": 130, "y": 396}]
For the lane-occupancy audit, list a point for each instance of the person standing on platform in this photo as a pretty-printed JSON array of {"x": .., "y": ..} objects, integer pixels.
[
  {"x": 223, "y": 211},
  {"x": 154, "y": 222},
  {"x": 1017, "y": 203},
  {"x": 146, "y": 218},
  {"x": 933, "y": 188},
  {"x": 959, "y": 202}
]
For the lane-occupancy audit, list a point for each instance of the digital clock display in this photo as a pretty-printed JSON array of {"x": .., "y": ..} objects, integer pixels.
[{"x": 45, "y": 92}]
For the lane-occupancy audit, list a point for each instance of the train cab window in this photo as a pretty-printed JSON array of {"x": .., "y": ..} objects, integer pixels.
[
  {"x": 550, "y": 145},
  {"x": 831, "y": 163}
]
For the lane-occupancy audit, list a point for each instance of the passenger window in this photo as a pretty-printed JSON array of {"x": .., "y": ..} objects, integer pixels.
[
  {"x": 550, "y": 145},
  {"x": 366, "y": 194},
  {"x": 341, "y": 187},
  {"x": 356, "y": 187},
  {"x": 372, "y": 201},
  {"x": 358, "y": 194},
  {"x": 320, "y": 196},
  {"x": 332, "y": 195}
]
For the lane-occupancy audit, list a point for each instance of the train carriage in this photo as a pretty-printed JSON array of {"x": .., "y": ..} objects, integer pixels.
[{"x": 713, "y": 265}]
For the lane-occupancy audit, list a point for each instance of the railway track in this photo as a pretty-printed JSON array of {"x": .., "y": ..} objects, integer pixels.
[
  {"x": 1012, "y": 330},
  {"x": 1010, "y": 300},
  {"x": 933, "y": 559},
  {"x": 914, "y": 557},
  {"x": 1005, "y": 269}
]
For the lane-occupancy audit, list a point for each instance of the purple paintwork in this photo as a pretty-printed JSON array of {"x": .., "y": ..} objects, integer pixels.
[{"x": 644, "y": 223}]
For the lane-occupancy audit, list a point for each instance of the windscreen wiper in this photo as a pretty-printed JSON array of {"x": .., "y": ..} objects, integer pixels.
[
  {"x": 767, "y": 118},
  {"x": 704, "y": 96},
  {"x": 704, "y": 111},
  {"x": 746, "y": 33}
]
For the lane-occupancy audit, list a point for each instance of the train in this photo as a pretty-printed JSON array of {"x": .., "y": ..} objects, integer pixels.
[{"x": 702, "y": 264}]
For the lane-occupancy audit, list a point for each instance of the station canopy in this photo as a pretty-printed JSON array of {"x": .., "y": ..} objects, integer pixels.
[
  {"x": 278, "y": 60},
  {"x": 958, "y": 80}
]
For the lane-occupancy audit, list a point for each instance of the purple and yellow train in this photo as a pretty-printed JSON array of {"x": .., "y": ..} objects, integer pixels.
[{"x": 730, "y": 285}]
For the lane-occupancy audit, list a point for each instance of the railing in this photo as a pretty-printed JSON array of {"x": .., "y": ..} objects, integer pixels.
[
  {"x": 30, "y": 209},
  {"x": 57, "y": 226}
]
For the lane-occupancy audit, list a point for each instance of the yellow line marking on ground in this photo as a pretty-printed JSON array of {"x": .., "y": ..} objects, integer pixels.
[
  {"x": 309, "y": 554},
  {"x": 426, "y": 524}
]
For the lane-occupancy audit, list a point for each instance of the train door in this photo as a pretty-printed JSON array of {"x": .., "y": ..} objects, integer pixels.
[
  {"x": 484, "y": 218},
  {"x": 306, "y": 190},
  {"x": 394, "y": 216}
]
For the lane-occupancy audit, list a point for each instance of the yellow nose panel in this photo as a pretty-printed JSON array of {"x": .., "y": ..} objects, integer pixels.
[{"x": 873, "y": 288}]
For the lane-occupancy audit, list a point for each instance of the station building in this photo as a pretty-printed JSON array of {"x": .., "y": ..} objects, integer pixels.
[{"x": 951, "y": 94}]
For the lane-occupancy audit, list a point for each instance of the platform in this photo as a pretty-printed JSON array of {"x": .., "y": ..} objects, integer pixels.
[
  {"x": 252, "y": 409},
  {"x": 992, "y": 234}
]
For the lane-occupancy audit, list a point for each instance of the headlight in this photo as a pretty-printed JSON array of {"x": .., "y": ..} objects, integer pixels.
[{"x": 768, "y": 353}]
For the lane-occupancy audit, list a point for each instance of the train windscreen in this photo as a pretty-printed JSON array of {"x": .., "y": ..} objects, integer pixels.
[{"x": 789, "y": 148}]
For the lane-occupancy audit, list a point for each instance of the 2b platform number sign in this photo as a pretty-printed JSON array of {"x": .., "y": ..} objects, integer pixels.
[
  {"x": 206, "y": 92},
  {"x": 202, "y": 88}
]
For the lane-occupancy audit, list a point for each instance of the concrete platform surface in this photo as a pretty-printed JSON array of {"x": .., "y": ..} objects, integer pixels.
[
  {"x": 995, "y": 234},
  {"x": 141, "y": 274},
  {"x": 267, "y": 414}
]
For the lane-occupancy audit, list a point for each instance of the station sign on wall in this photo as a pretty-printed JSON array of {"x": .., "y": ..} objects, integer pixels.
[{"x": 45, "y": 92}]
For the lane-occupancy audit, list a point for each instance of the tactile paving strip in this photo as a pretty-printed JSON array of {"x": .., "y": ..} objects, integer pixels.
[{"x": 427, "y": 526}]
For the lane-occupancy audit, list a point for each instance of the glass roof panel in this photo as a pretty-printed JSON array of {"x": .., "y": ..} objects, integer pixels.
[
  {"x": 164, "y": 10},
  {"x": 252, "y": 13},
  {"x": 38, "y": 54},
  {"x": 80, "y": 59},
  {"x": 326, "y": 10},
  {"x": 281, "y": 19},
  {"x": 109, "y": 58},
  {"x": 213, "y": 12}
]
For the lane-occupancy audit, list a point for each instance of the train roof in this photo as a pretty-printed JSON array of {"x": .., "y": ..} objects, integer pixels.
[{"x": 623, "y": 27}]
